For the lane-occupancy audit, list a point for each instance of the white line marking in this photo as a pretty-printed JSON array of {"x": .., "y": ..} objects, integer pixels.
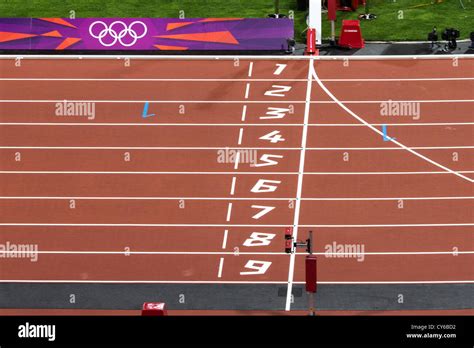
[
  {"x": 156, "y": 79},
  {"x": 402, "y": 79},
  {"x": 232, "y": 186},
  {"x": 384, "y": 148},
  {"x": 110, "y": 124},
  {"x": 73, "y": 79},
  {"x": 244, "y": 112},
  {"x": 251, "y": 69},
  {"x": 391, "y": 124},
  {"x": 400, "y": 282},
  {"x": 221, "y": 266},
  {"x": 152, "y": 173},
  {"x": 224, "y": 241},
  {"x": 385, "y": 173},
  {"x": 376, "y": 58},
  {"x": 23, "y": 101},
  {"x": 237, "y": 159},
  {"x": 315, "y": 75},
  {"x": 385, "y": 198},
  {"x": 247, "y": 90},
  {"x": 239, "y": 198},
  {"x": 229, "y": 281},
  {"x": 332, "y": 256},
  {"x": 201, "y": 148},
  {"x": 140, "y": 281},
  {"x": 299, "y": 188},
  {"x": 389, "y": 225},
  {"x": 229, "y": 212},
  {"x": 233, "y": 225},
  {"x": 241, "y": 133}
]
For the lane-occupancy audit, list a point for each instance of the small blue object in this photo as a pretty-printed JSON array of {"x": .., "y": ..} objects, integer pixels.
[
  {"x": 385, "y": 137},
  {"x": 145, "y": 111}
]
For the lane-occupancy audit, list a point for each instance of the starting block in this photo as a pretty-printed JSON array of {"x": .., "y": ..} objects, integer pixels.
[{"x": 156, "y": 309}]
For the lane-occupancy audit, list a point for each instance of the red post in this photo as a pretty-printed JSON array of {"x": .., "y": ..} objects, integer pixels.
[
  {"x": 311, "y": 273},
  {"x": 311, "y": 49},
  {"x": 332, "y": 10},
  {"x": 311, "y": 281}
]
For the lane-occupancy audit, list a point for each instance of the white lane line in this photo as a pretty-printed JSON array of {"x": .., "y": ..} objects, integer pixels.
[
  {"x": 427, "y": 101},
  {"x": 392, "y": 124},
  {"x": 73, "y": 79},
  {"x": 110, "y": 124},
  {"x": 247, "y": 90},
  {"x": 201, "y": 148},
  {"x": 229, "y": 281},
  {"x": 385, "y": 148},
  {"x": 434, "y": 101},
  {"x": 386, "y": 198},
  {"x": 232, "y": 186},
  {"x": 418, "y": 57},
  {"x": 238, "y": 198},
  {"x": 236, "y": 165},
  {"x": 241, "y": 134},
  {"x": 224, "y": 241},
  {"x": 229, "y": 212},
  {"x": 400, "y": 282},
  {"x": 390, "y": 225},
  {"x": 231, "y": 225},
  {"x": 221, "y": 266},
  {"x": 150, "y": 79},
  {"x": 139, "y": 281},
  {"x": 299, "y": 188},
  {"x": 251, "y": 70},
  {"x": 402, "y": 79},
  {"x": 386, "y": 173},
  {"x": 334, "y": 255},
  {"x": 315, "y": 75},
  {"x": 237, "y": 159},
  {"x": 244, "y": 112}
]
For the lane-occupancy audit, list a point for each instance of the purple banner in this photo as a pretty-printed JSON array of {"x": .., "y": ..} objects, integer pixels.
[{"x": 145, "y": 34}]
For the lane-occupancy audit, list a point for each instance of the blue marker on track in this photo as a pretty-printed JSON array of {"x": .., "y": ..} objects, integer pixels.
[
  {"x": 385, "y": 136},
  {"x": 145, "y": 111}
]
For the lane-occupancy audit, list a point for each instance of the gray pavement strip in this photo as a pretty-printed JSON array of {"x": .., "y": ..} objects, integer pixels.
[{"x": 235, "y": 296}]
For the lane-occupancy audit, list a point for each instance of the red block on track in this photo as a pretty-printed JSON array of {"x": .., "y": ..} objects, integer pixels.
[
  {"x": 154, "y": 309},
  {"x": 311, "y": 273}
]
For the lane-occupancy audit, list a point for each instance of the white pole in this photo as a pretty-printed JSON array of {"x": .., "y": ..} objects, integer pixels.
[{"x": 315, "y": 18}]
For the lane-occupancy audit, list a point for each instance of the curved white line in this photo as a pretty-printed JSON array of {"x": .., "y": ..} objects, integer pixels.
[{"x": 349, "y": 111}]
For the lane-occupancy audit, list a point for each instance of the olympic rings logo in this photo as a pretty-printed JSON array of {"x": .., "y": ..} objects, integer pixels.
[{"x": 117, "y": 31}]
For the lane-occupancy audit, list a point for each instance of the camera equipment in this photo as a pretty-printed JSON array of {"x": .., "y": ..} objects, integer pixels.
[{"x": 450, "y": 35}]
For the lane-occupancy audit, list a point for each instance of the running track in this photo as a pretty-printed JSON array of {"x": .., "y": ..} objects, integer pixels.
[{"x": 128, "y": 199}]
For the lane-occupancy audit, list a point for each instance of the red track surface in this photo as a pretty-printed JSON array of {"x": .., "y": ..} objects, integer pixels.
[{"x": 136, "y": 203}]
